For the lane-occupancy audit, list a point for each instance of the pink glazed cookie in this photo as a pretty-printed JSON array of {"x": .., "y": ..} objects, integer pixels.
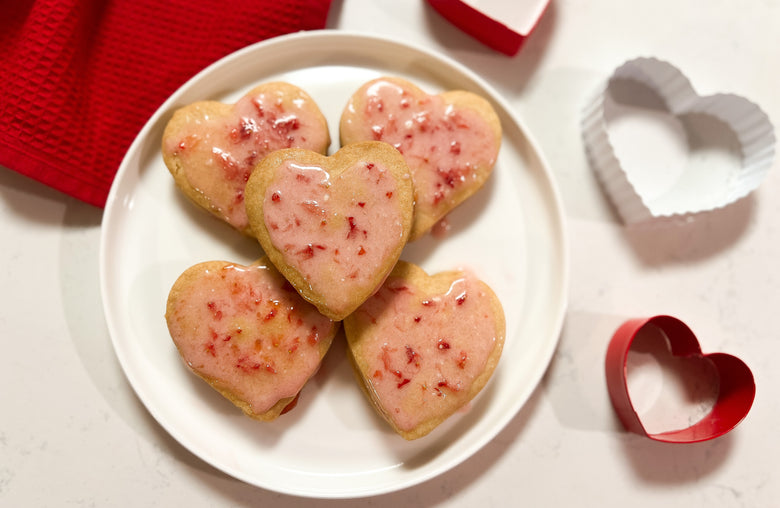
[
  {"x": 247, "y": 333},
  {"x": 211, "y": 148},
  {"x": 334, "y": 226},
  {"x": 450, "y": 141},
  {"x": 423, "y": 346}
]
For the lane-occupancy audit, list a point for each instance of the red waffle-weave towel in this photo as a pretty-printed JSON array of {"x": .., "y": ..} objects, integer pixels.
[{"x": 79, "y": 78}]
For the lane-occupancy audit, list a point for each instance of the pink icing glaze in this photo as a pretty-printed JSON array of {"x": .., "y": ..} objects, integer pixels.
[
  {"x": 443, "y": 145},
  {"x": 218, "y": 153},
  {"x": 247, "y": 328},
  {"x": 425, "y": 351},
  {"x": 334, "y": 231}
]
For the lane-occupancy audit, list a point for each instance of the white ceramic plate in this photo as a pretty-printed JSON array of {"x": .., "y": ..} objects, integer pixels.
[{"x": 332, "y": 445}]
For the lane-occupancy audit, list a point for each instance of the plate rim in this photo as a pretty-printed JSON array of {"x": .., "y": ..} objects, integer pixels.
[{"x": 343, "y": 36}]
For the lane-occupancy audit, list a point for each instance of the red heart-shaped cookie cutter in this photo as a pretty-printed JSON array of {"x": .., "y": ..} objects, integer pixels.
[
  {"x": 736, "y": 392},
  {"x": 498, "y": 24}
]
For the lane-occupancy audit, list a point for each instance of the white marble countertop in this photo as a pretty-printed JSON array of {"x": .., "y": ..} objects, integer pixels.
[{"x": 72, "y": 432}]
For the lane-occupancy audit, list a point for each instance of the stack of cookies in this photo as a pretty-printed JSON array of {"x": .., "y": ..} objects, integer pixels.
[{"x": 331, "y": 231}]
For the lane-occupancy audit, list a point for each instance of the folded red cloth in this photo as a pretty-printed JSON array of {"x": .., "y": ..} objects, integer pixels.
[{"x": 81, "y": 77}]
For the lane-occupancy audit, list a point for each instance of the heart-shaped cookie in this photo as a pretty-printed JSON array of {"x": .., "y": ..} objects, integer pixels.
[
  {"x": 661, "y": 150},
  {"x": 334, "y": 226},
  {"x": 450, "y": 141},
  {"x": 211, "y": 148},
  {"x": 423, "y": 346},
  {"x": 247, "y": 333},
  {"x": 736, "y": 385}
]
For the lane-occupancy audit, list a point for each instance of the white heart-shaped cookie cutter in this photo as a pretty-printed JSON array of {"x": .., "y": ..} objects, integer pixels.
[{"x": 750, "y": 125}]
